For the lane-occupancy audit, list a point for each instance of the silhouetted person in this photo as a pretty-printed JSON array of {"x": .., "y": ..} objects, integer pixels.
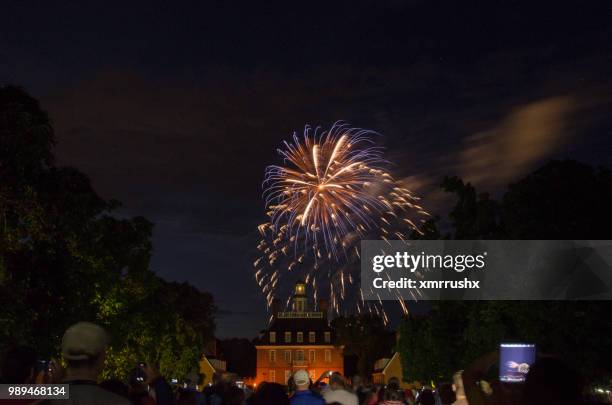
[
  {"x": 116, "y": 387},
  {"x": 199, "y": 397},
  {"x": 392, "y": 397},
  {"x": 550, "y": 381},
  {"x": 392, "y": 393},
  {"x": 269, "y": 393},
  {"x": 359, "y": 388},
  {"x": 234, "y": 396},
  {"x": 338, "y": 391},
  {"x": 18, "y": 366},
  {"x": 186, "y": 397},
  {"x": 138, "y": 393},
  {"x": 446, "y": 394},
  {"x": 426, "y": 397}
]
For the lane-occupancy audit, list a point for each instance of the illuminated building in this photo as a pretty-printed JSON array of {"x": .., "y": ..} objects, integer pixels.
[{"x": 298, "y": 339}]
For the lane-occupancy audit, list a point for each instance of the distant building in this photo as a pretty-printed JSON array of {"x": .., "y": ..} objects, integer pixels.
[
  {"x": 385, "y": 369},
  {"x": 298, "y": 339},
  {"x": 209, "y": 367},
  {"x": 212, "y": 363}
]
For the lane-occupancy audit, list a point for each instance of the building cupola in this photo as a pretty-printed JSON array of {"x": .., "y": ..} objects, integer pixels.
[{"x": 299, "y": 300}]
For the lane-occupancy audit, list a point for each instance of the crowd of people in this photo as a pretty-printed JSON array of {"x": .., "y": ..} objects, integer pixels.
[{"x": 84, "y": 349}]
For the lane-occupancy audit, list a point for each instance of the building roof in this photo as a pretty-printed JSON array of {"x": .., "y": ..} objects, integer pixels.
[
  {"x": 299, "y": 319},
  {"x": 381, "y": 365},
  {"x": 294, "y": 325}
]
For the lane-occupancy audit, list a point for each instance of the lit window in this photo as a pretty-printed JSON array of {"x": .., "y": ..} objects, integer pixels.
[
  {"x": 287, "y": 337},
  {"x": 311, "y": 356},
  {"x": 300, "y": 337},
  {"x": 272, "y": 356},
  {"x": 272, "y": 376},
  {"x": 327, "y": 356},
  {"x": 327, "y": 337},
  {"x": 312, "y": 337},
  {"x": 299, "y": 355},
  {"x": 288, "y": 356},
  {"x": 272, "y": 337}
]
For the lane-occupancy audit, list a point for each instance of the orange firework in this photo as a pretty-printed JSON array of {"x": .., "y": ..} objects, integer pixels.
[{"x": 332, "y": 191}]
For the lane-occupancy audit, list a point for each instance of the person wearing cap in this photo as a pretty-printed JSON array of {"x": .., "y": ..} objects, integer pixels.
[
  {"x": 84, "y": 350},
  {"x": 303, "y": 395},
  {"x": 337, "y": 391}
]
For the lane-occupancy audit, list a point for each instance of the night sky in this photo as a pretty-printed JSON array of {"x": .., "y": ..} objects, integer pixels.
[{"x": 176, "y": 109}]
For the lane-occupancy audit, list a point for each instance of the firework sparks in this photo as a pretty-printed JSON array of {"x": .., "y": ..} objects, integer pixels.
[{"x": 332, "y": 191}]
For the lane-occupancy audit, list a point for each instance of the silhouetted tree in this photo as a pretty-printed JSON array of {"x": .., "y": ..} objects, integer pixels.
[
  {"x": 65, "y": 258},
  {"x": 455, "y": 333},
  {"x": 240, "y": 355},
  {"x": 365, "y": 337},
  {"x": 475, "y": 216},
  {"x": 562, "y": 200}
]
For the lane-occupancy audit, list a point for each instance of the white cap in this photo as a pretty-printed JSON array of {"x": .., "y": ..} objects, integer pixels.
[
  {"x": 301, "y": 377},
  {"x": 84, "y": 340}
]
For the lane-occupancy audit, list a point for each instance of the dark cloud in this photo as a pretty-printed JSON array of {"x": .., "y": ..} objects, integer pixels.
[{"x": 176, "y": 110}]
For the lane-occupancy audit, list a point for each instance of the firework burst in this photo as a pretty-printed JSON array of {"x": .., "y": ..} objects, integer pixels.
[{"x": 332, "y": 191}]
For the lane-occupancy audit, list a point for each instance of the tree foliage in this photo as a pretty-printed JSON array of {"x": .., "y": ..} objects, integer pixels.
[
  {"x": 64, "y": 258},
  {"x": 365, "y": 337},
  {"x": 564, "y": 199},
  {"x": 240, "y": 355},
  {"x": 561, "y": 200},
  {"x": 454, "y": 334}
]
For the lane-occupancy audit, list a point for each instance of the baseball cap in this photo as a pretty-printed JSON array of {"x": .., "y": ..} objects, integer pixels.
[
  {"x": 301, "y": 377},
  {"x": 84, "y": 340}
]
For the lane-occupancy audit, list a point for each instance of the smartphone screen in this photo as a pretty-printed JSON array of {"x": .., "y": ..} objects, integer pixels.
[{"x": 515, "y": 360}]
